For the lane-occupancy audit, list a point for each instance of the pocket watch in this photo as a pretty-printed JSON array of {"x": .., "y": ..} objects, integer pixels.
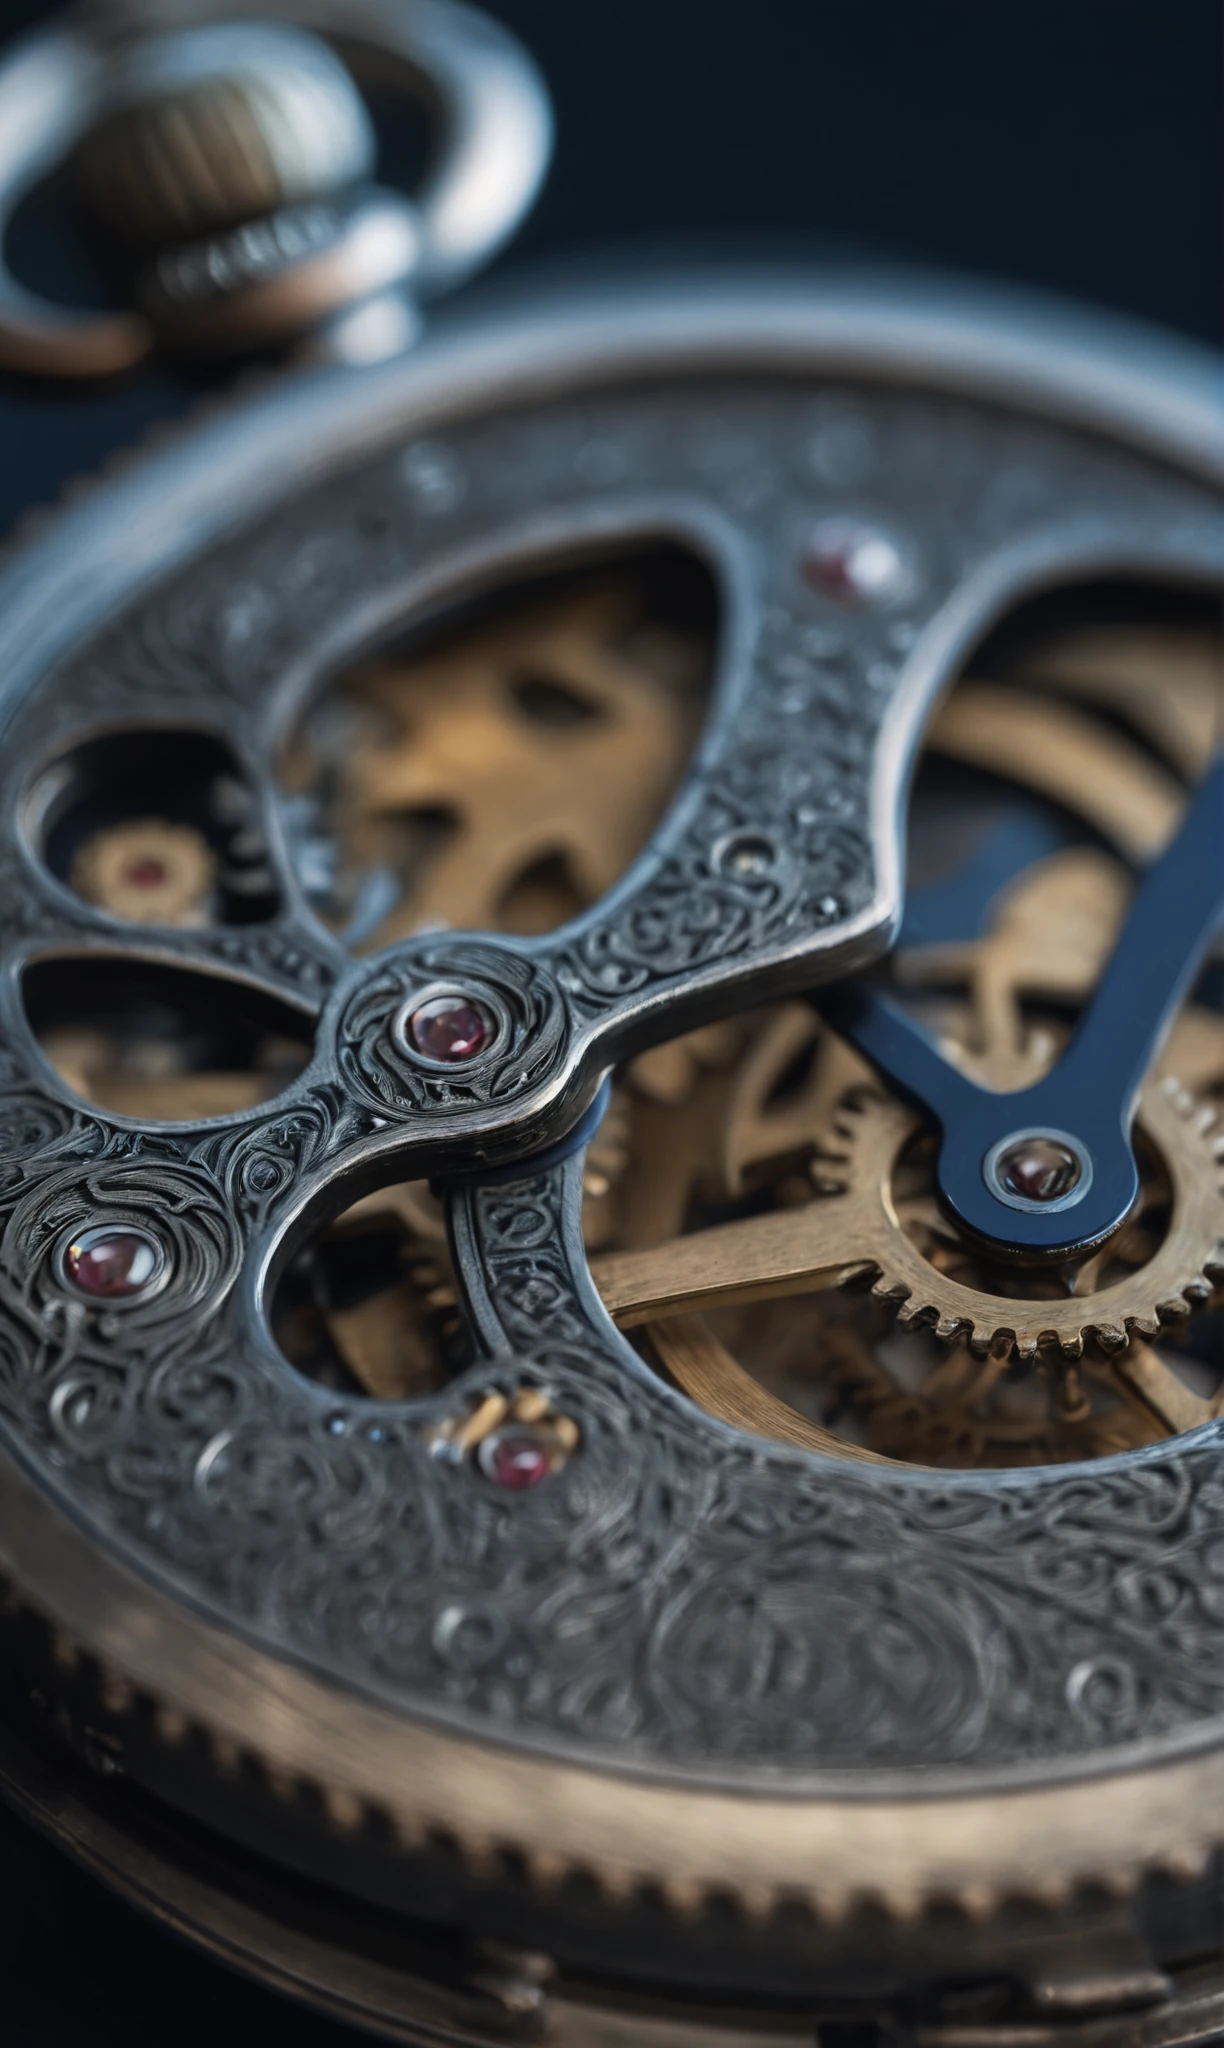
[{"x": 611, "y": 1052}]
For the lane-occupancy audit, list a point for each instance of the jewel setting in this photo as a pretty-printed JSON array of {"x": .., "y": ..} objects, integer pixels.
[
  {"x": 1038, "y": 1171},
  {"x": 445, "y": 1026},
  {"x": 513, "y": 1440},
  {"x": 450, "y": 1028},
  {"x": 145, "y": 873},
  {"x": 1041, "y": 1169},
  {"x": 516, "y": 1459},
  {"x": 855, "y": 563},
  {"x": 113, "y": 1262}
]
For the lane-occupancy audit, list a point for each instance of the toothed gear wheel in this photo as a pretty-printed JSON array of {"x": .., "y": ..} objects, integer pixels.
[
  {"x": 534, "y": 1649},
  {"x": 920, "y": 1255}
]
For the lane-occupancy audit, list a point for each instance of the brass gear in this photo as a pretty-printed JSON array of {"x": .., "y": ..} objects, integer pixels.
[
  {"x": 504, "y": 780},
  {"x": 349, "y": 1808},
  {"x": 148, "y": 871},
  {"x": 697, "y": 1124},
  {"x": 1110, "y": 1389},
  {"x": 1103, "y": 1386},
  {"x": 1051, "y": 934},
  {"x": 920, "y": 1256},
  {"x": 878, "y": 1223}
]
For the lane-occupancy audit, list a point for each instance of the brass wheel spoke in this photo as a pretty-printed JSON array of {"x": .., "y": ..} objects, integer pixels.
[
  {"x": 1142, "y": 1372},
  {"x": 707, "y": 1372},
  {"x": 787, "y": 1252}
]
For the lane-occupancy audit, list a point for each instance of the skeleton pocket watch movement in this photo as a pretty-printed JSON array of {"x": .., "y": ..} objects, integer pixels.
[{"x": 611, "y": 1065}]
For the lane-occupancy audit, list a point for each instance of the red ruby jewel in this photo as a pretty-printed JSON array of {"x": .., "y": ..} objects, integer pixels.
[
  {"x": 111, "y": 1263},
  {"x": 145, "y": 874},
  {"x": 516, "y": 1462},
  {"x": 853, "y": 563},
  {"x": 450, "y": 1028},
  {"x": 1040, "y": 1169},
  {"x": 830, "y": 570}
]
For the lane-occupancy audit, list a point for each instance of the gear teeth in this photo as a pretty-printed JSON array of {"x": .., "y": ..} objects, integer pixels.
[
  {"x": 548, "y": 1868},
  {"x": 172, "y": 1726},
  {"x": 890, "y": 1291},
  {"x": 118, "y": 1695},
  {"x": 1125, "y": 1311},
  {"x": 344, "y": 1808},
  {"x": 850, "y": 1111},
  {"x": 1186, "y": 1865},
  {"x": 684, "y": 1896},
  {"x": 1173, "y": 1309},
  {"x": 856, "y": 1275},
  {"x": 915, "y": 1315},
  {"x": 906, "y": 1904},
  {"x": 829, "y": 1176},
  {"x": 979, "y": 1901}
]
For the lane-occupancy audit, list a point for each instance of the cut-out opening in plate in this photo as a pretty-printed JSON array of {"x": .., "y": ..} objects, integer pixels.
[
  {"x": 155, "y": 827},
  {"x": 368, "y": 1304},
  {"x": 162, "y": 1044},
  {"x": 761, "y": 1215},
  {"x": 498, "y": 769}
]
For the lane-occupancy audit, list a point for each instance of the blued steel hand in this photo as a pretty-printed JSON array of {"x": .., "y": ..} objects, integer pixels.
[{"x": 1087, "y": 1101}]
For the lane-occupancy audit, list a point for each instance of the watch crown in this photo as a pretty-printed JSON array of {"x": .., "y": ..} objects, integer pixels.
[{"x": 218, "y": 125}]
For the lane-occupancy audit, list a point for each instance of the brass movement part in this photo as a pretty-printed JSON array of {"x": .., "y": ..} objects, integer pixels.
[
  {"x": 623, "y": 1832},
  {"x": 712, "y": 1377},
  {"x": 1167, "y": 682},
  {"x": 1101, "y": 1386},
  {"x": 1066, "y": 755},
  {"x": 389, "y": 1341},
  {"x": 966, "y": 1409},
  {"x": 386, "y": 1344},
  {"x": 541, "y": 749},
  {"x": 538, "y": 826},
  {"x": 919, "y": 1255},
  {"x": 91, "y": 1071},
  {"x": 146, "y": 1080},
  {"x": 842, "y": 1235},
  {"x": 530, "y": 1407},
  {"x": 102, "y": 872},
  {"x": 1052, "y": 933}
]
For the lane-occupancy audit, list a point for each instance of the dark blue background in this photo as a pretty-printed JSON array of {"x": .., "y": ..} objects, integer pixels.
[{"x": 1071, "y": 144}]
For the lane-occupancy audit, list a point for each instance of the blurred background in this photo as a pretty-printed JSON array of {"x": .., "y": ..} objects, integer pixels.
[
  {"x": 1069, "y": 144},
  {"x": 1072, "y": 145}
]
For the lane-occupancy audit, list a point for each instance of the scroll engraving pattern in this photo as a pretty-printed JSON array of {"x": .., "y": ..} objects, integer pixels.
[
  {"x": 675, "y": 1590},
  {"x": 520, "y": 992},
  {"x": 792, "y": 759}
]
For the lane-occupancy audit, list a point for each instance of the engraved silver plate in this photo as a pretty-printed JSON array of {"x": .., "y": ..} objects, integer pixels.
[{"x": 696, "y": 1666}]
